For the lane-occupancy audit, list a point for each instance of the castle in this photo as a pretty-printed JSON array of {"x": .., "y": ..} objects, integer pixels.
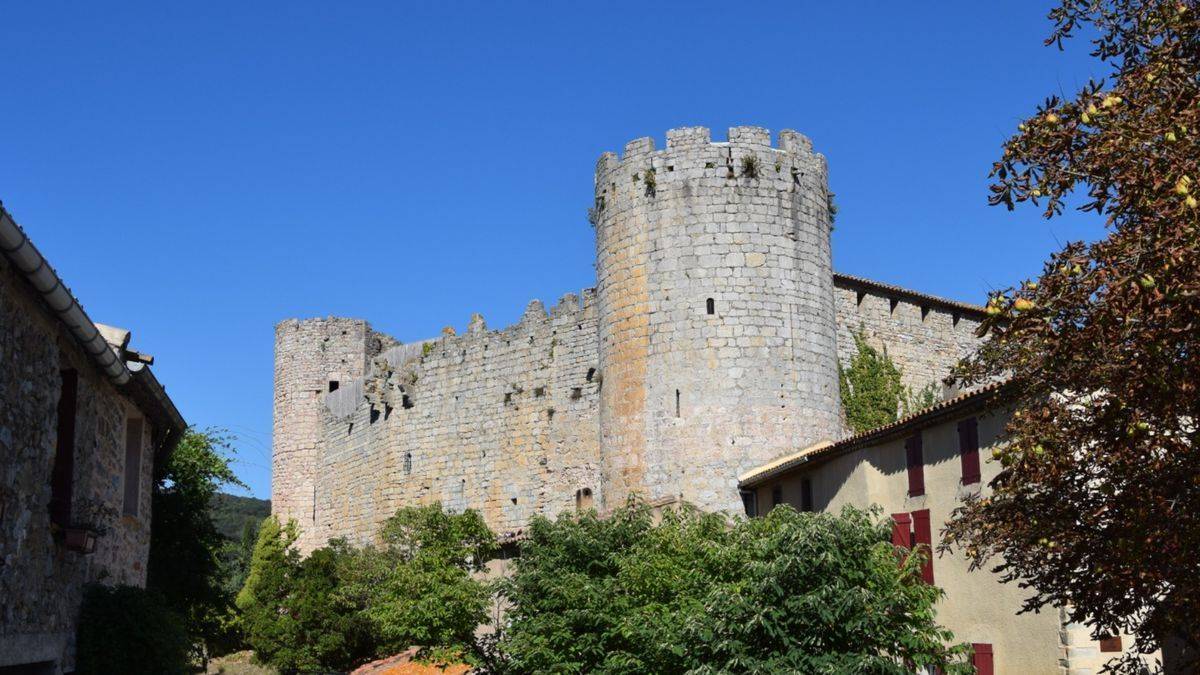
[{"x": 709, "y": 346}]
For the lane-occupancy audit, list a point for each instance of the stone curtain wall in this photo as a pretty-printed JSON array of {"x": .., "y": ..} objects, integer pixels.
[
  {"x": 924, "y": 338},
  {"x": 693, "y": 398},
  {"x": 500, "y": 421},
  {"x": 41, "y": 582},
  {"x": 308, "y": 356}
]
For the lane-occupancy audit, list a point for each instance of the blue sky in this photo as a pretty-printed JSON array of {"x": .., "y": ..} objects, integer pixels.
[{"x": 198, "y": 172}]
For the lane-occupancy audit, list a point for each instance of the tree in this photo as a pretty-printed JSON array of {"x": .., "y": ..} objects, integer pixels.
[
  {"x": 184, "y": 543},
  {"x": 871, "y": 388},
  {"x": 273, "y": 568},
  {"x": 416, "y": 588},
  {"x": 790, "y": 592},
  {"x": 1097, "y": 506},
  {"x": 343, "y": 605}
]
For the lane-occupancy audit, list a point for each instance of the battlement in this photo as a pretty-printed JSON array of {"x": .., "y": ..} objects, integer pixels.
[{"x": 690, "y": 151}]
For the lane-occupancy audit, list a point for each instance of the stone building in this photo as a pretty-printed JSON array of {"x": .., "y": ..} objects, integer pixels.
[
  {"x": 709, "y": 346},
  {"x": 82, "y": 423}
]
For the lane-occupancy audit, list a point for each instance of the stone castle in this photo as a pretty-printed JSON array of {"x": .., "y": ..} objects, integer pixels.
[{"x": 709, "y": 346}]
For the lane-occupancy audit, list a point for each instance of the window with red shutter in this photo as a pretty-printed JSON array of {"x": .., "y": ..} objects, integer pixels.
[
  {"x": 968, "y": 449},
  {"x": 923, "y": 536},
  {"x": 1111, "y": 643},
  {"x": 902, "y": 530},
  {"x": 916, "y": 465},
  {"x": 982, "y": 659}
]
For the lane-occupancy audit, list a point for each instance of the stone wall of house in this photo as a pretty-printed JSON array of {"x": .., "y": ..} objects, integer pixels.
[
  {"x": 41, "y": 581},
  {"x": 500, "y": 421}
]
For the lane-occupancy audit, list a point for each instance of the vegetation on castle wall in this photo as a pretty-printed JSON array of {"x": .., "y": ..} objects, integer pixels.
[
  {"x": 871, "y": 389},
  {"x": 790, "y": 592},
  {"x": 1101, "y": 473}
]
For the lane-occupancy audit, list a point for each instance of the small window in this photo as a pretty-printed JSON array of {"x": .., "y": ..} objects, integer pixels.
[
  {"x": 968, "y": 450},
  {"x": 776, "y": 496},
  {"x": 677, "y": 403},
  {"x": 923, "y": 537},
  {"x": 62, "y": 475},
  {"x": 407, "y": 463},
  {"x": 750, "y": 503},
  {"x": 333, "y": 385},
  {"x": 806, "y": 494},
  {"x": 915, "y": 459},
  {"x": 133, "y": 466},
  {"x": 576, "y": 393},
  {"x": 583, "y": 499},
  {"x": 711, "y": 306},
  {"x": 591, "y": 374},
  {"x": 1111, "y": 643}
]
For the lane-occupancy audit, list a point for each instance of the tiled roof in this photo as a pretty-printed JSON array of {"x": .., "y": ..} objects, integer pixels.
[
  {"x": 972, "y": 400},
  {"x": 888, "y": 289}
]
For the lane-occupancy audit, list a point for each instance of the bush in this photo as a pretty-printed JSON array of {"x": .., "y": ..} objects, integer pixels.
[
  {"x": 342, "y": 605},
  {"x": 125, "y": 629},
  {"x": 790, "y": 592}
]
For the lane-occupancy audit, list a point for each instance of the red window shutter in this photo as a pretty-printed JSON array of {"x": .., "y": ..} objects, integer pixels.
[
  {"x": 1111, "y": 643},
  {"x": 916, "y": 465},
  {"x": 968, "y": 449},
  {"x": 902, "y": 530},
  {"x": 982, "y": 659},
  {"x": 923, "y": 534}
]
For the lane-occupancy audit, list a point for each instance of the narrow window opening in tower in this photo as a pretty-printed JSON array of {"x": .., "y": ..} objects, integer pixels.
[
  {"x": 514, "y": 500},
  {"x": 407, "y": 463},
  {"x": 591, "y": 374},
  {"x": 333, "y": 385},
  {"x": 583, "y": 499},
  {"x": 374, "y": 415},
  {"x": 677, "y": 403},
  {"x": 711, "y": 305},
  {"x": 406, "y": 402}
]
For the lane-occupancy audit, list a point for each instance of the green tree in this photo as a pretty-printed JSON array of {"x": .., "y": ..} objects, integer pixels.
[
  {"x": 872, "y": 391},
  {"x": 790, "y": 592},
  {"x": 1097, "y": 504},
  {"x": 416, "y": 588},
  {"x": 184, "y": 565},
  {"x": 274, "y": 566},
  {"x": 344, "y": 605}
]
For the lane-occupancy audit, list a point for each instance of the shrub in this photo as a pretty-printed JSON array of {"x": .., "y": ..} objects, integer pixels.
[
  {"x": 125, "y": 629},
  {"x": 790, "y": 592}
]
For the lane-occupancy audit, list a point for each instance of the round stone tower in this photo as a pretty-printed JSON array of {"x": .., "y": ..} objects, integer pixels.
[
  {"x": 717, "y": 331},
  {"x": 312, "y": 358}
]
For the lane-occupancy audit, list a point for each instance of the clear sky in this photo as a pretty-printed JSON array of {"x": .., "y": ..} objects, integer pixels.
[{"x": 198, "y": 172}]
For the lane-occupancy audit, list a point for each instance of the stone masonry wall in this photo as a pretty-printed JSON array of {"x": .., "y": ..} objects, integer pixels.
[
  {"x": 41, "y": 581},
  {"x": 923, "y": 336},
  {"x": 500, "y": 421},
  {"x": 309, "y": 356}
]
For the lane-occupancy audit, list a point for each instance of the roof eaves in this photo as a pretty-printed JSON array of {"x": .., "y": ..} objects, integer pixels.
[
  {"x": 890, "y": 289},
  {"x": 956, "y": 406}
]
